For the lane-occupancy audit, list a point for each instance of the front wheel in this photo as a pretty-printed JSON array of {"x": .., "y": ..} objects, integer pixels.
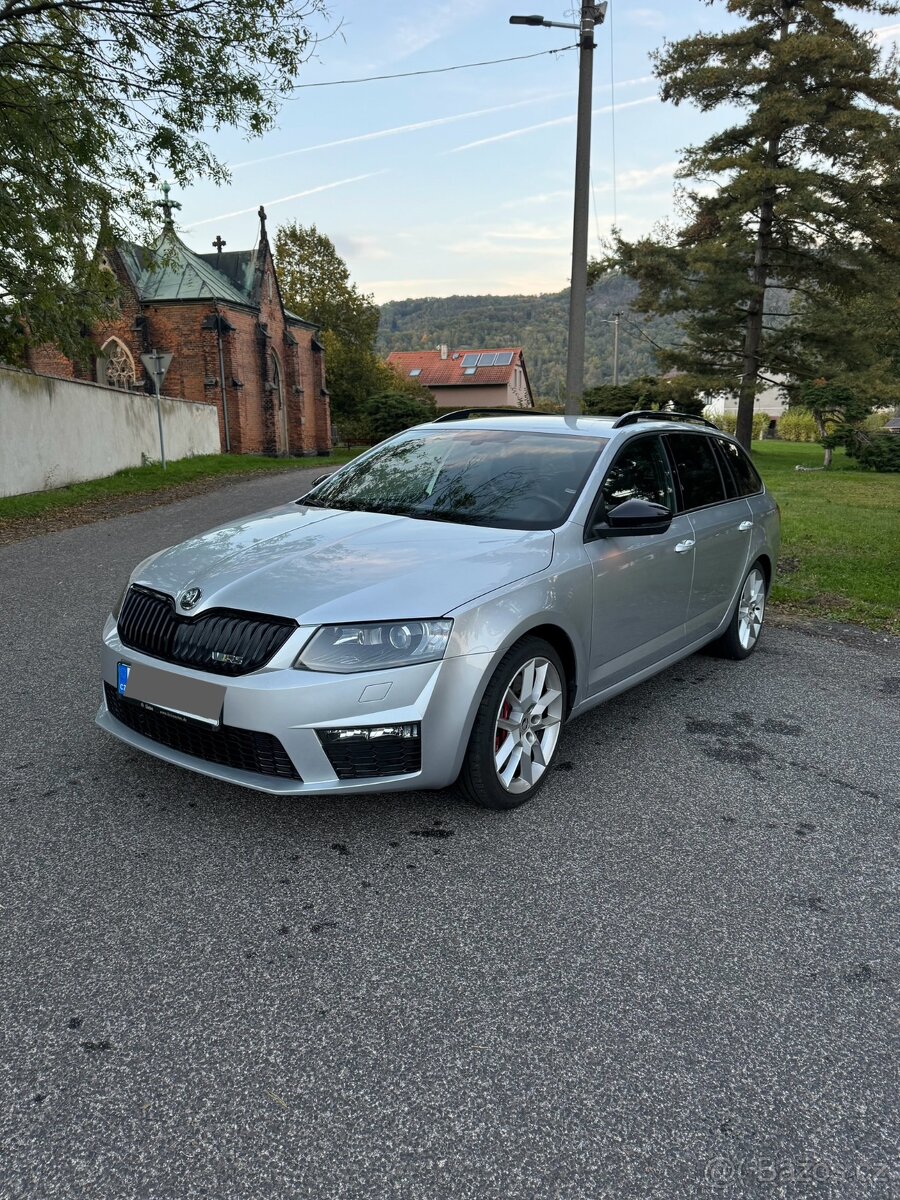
[
  {"x": 516, "y": 731},
  {"x": 740, "y": 638}
]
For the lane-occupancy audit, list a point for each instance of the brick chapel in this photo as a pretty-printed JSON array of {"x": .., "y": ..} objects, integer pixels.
[{"x": 233, "y": 343}]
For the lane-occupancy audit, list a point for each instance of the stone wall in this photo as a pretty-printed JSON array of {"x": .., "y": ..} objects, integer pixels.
[{"x": 57, "y": 431}]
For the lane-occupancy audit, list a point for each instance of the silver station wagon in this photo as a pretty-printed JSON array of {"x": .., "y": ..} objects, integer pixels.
[{"x": 436, "y": 609}]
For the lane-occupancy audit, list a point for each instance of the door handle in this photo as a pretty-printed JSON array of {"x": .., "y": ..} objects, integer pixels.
[
  {"x": 681, "y": 547},
  {"x": 745, "y": 525}
]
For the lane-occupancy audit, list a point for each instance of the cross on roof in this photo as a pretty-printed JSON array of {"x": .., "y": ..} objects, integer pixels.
[
  {"x": 262, "y": 219},
  {"x": 166, "y": 204},
  {"x": 219, "y": 243}
]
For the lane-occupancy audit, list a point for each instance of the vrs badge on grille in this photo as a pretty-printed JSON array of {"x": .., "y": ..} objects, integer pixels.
[{"x": 190, "y": 598}]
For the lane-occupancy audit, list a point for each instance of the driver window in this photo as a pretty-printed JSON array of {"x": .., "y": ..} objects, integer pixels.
[{"x": 641, "y": 472}]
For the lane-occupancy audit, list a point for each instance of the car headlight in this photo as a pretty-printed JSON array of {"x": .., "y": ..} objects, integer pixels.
[{"x": 374, "y": 646}]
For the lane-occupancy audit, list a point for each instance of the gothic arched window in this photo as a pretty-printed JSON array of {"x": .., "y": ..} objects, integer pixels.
[{"x": 116, "y": 366}]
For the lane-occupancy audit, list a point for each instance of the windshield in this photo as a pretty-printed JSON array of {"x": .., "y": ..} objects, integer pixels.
[{"x": 507, "y": 479}]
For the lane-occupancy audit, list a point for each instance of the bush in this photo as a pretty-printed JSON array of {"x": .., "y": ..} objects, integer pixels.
[
  {"x": 392, "y": 413},
  {"x": 727, "y": 422},
  {"x": 875, "y": 452},
  {"x": 353, "y": 431},
  {"x": 798, "y": 426}
]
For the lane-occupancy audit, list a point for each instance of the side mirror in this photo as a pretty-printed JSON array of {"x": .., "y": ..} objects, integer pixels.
[{"x": 634, "y": 517}]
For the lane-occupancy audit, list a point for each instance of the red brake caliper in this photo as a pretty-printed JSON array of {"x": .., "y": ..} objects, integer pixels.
[{"x": 504, "y": 715}]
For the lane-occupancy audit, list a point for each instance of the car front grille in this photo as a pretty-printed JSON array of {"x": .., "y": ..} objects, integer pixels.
[
  {"x": 370, "y": 752},
  {"x": 221, "y": 640},
  {"x": 243, "y": 749}
]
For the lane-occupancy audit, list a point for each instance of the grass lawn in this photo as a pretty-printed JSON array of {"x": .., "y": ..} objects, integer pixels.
[
  {"x": 840, "y": 549},
  {"x": 153, "y": 478}
]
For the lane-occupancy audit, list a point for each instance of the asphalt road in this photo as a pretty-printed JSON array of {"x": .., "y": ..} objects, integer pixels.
[{"x": 673, "y": 975}]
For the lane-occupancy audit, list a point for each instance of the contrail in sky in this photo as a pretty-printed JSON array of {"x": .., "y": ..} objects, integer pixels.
[
  {"x": 502, "y": 137},
  {"x": 324, "y": 187},
  {"x": 430, "y": 124}
]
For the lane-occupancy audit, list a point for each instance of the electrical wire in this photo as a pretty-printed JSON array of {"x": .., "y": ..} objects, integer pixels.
[
  {"x": 643, "y": 334},
  {"x": 612, "y": 98},
  {"x": 491, "y": 62}
]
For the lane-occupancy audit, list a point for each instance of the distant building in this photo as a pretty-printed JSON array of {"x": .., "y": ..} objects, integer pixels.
[
  {"x": 772, "y": 400},
  {"x": 233, "y": 343},
  {"x": 893, "y": 425},
  {"x": 468, "y": 378}
]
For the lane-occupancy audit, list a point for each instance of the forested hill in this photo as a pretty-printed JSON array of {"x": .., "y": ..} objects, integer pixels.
[{"x": 537, "y": 323}]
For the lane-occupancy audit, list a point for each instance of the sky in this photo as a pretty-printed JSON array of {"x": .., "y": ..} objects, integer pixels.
[{"x": 461, "y": 182}]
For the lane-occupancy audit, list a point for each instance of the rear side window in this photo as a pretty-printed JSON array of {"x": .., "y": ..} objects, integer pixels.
[
  {"x": 697, "y": 468},
  {"x": 746, "y": 479}
]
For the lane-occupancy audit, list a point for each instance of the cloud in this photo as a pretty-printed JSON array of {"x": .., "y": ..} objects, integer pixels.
[
  {"x": 423, "y": 29},
  {"x": 361, "y": 247},
  {"x": 649, "y": 18},
  {"x": 627, "y": 181},
  {"x": 431, "y": 123},
  {"x": 567, "y": 120},
  {"x": 527, "y": 232},
  {"x": 538, "y": 198},
  {"x": 884, "y": 33},
  {"x": 323, "y": 187}
]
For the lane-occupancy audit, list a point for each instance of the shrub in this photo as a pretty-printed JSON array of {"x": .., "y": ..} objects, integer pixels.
[
  {"x": 727, "y": 422},
  {"x": 353, "y": 431},
  {"x": 798, "y": 426},
  {"x": 392, "y": 413},
  {"x": 875, "y": 452}
]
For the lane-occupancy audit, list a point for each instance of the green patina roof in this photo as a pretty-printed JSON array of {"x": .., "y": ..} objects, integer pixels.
[{"x": 170, "y": 271}]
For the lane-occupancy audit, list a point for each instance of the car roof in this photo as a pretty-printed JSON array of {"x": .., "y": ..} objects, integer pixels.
[{"x": 588, "y": 426}]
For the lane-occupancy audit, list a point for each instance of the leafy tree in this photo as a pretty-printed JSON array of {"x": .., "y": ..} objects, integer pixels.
[
  {"x": 98, "y": 99},
  {"x": 649, "y": 392},
  {"x": 805, "y": 188},
  {"x": 315, "y": 282},
  {"x": 837, "y": 410}
]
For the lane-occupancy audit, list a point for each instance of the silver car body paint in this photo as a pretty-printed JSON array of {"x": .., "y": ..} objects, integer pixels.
[{"x": 627, "y": 606}]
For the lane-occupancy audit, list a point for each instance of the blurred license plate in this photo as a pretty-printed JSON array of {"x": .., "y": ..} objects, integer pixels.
[{"x": 183, "y": 697}]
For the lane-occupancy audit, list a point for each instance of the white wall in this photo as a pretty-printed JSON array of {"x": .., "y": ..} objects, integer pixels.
[{"x": 59, "y": 431}]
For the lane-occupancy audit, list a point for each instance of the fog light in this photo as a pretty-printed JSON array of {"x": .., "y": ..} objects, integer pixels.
[
  {"x": 373, "y": 751},
  {"x": 369, "y": 732}
]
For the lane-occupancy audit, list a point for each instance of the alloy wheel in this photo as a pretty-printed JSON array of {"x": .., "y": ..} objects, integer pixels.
[
  {"x": 751, "y": 608},
  {"x": 527, "y": 726}
]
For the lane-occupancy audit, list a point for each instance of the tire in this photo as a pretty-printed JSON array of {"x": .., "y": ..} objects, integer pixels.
[
  {"x": 741, "y": 637},
  {"x": 516, "y": 732}
]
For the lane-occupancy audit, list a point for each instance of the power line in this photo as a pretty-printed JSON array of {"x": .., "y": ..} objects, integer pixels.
[
  {"x": 643, "y": 334},
  {"x": 491, "y": 62},
  {"x": 612, "y": 98}
]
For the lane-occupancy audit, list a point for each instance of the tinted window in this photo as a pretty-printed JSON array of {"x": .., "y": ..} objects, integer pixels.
[
  {"x": 509, "y": 479},
  {"x": 640, "y": 472},
  {"x": 746, "y": 479},
  {"x": 698, "y": 471}
]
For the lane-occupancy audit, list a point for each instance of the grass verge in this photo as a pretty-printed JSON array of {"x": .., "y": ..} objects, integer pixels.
[
  {"x": 152, "y": 478},
  {"x": 840, "y": 550}
]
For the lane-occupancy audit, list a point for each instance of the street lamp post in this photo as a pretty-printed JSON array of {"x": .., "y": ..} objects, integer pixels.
[{"x": 591, "y": 16}]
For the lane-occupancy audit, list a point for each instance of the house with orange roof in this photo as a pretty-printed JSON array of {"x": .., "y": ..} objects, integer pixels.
[{"x": 468, "y": 378}]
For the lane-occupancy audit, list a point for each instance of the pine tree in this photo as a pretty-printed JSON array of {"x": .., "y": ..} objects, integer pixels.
[{"x": 805, "y": 195}]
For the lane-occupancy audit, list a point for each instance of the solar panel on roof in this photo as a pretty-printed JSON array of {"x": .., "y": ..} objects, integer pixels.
[
  {"x": 468, "y": 370},
  {"x": 503, "y": 360},
  {"x": 486, "y": 360},
  {"x": 470, "y": 360}
]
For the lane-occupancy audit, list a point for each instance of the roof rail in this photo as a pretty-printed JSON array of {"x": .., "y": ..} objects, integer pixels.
[
  {"x": 463, "y": 414},
  {"x": 643, "y": 414}
]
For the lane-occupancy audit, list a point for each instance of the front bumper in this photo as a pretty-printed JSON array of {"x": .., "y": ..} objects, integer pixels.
[{"x": 293, "y": 705}]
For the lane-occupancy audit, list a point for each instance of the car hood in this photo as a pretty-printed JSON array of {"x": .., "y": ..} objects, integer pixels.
[{"x": 323, "y": 565}]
